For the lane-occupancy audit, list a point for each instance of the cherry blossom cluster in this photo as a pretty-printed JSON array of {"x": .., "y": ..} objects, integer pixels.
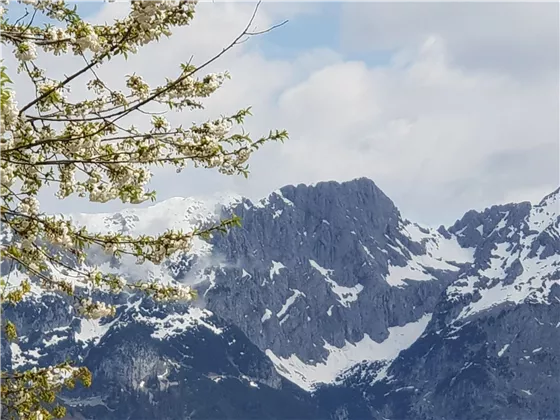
[
  {"x": 32, "y": 394},
  {"x": 80, "y": 147},
  {"x": 95, "y": 310},
  {"x": 161, "y": 292},
  {"x": 88, "y": 147}
]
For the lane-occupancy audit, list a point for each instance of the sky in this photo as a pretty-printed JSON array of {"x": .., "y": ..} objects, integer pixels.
[{"x": 445, "y": 106}]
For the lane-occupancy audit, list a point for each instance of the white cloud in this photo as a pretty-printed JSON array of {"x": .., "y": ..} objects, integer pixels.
[
  {"x": 431, "y": 134},
  {"x": 440, "y": 129},
  {"x": 515, "y": 37}
]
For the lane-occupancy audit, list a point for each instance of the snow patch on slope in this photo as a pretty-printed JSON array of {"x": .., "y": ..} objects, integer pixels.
[
  {"x": 345, "y": 295},
  {"x": 532, "y": 279},
  {"x": 174, "y": 213},
  {"x": 534, "y": 284},
  {"x": 503, "y": 350},
  {"x": 413, "y": 271},
  {"x": 176, "y": 324},
  {"x": 441, "y": 254},
  {"x": 545, "y": 213},
  {"x": 265, "y": 202},
  {"x": 275, "y": 269},
  {"x": 289, "y": 302},
  {"x": 309, "y": 376},
  {"x": 92, "y": 331},
  {"x": 184, "y": 214},
  {"x": 266, "y": 316},
  {"x": 18, "y": 358}
]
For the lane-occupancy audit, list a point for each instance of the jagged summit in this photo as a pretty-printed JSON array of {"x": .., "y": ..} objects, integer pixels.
[
  {"x": 552, "y": 199},
  {"x": 362, "y": 185},
  {"x": 359, "y": 192}
]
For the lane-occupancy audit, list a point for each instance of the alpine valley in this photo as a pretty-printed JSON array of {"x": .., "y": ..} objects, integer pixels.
[{"x": 326, "y": 304}]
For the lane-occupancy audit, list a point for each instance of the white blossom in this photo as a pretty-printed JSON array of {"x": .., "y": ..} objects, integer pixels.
[
  {"x": 89, "y": 40},
  {"x": 38, "y": 415},
  {"x": 95, "y": 310},
  {"x": 9, "y": 111},
  {"x": 184, "y": 292},
  {"x": 26, "y": 51},
  {"x": 7, "y": 175},
  {"x": 29, "y": 206},
  {"x": 59, "y": 375}
]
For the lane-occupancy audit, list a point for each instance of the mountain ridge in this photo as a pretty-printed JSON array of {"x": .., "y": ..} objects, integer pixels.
[{"x": 339, "y": 293}]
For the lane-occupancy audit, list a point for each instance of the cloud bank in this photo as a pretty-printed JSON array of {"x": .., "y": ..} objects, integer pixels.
[{"x": 463, "y": 112}]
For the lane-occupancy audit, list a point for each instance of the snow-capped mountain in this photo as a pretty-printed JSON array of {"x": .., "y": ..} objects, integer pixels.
[
  {"x": 327, "y": 302},
  {"x": 491, "y": 349}
]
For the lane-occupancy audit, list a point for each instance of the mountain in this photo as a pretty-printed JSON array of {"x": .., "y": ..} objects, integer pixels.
[
  {"x": 491, "y": 348},
  {"x": 326, "y": 303}
]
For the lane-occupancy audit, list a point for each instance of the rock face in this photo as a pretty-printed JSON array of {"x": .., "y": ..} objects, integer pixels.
[
  {"x": 491, "y": 350},
  {"x": 334, "y": 264},
  {"x": 327, "y": 303}
]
